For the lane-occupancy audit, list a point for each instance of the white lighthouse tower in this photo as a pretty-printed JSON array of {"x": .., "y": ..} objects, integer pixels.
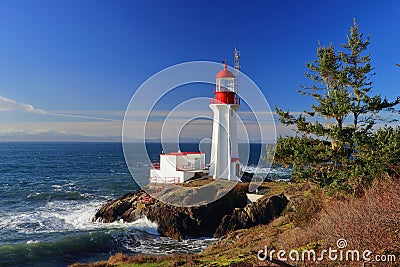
[{"x": 225, "y": 162}]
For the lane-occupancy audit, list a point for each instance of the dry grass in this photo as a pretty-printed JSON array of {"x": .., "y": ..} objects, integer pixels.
[
  {"x": 120, "y": 259},
  {"x": 371, "y": 222},
  {"x": 306, "y": 211}
]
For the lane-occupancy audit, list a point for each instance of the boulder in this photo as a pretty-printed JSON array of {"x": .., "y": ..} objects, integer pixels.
[{"x": 263, "y": 211}]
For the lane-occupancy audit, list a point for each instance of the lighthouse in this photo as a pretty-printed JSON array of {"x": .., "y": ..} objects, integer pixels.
[
  {"x": 179, "y": 167},
  {"x": 225, "y": 162}
]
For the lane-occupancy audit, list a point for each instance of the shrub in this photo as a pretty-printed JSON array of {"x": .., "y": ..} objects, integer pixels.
[{"x": 306, "y": 211}]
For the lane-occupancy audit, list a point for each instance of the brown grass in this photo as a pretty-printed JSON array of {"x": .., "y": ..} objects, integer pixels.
[
  {"x": 371, "y": 222},
  {"x": 306, "y": 211},
  {"x": 121, "y": 259}
]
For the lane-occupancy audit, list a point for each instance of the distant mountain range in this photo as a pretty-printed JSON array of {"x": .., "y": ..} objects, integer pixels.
[{"x": 54, "y": 136}]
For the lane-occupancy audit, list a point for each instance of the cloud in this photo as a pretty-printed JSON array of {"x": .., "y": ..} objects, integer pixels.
[
  {"x": 81, "y": 117},
  {"x": 7, "y": 104}
]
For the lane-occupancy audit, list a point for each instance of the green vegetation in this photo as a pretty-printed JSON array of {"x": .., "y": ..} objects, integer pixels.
[{"x": 337, "y": 144}]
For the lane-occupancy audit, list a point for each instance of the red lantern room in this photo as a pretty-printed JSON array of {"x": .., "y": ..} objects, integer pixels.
[{"x": 225, "y": 90}]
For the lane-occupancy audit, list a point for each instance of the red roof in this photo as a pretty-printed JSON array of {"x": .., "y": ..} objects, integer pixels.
[
  {"x": 183, "y": 153},
  {"x": 225, "y": 73}
]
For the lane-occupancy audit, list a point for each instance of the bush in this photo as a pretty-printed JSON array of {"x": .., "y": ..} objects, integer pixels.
[{"x": 306, "y": 211}]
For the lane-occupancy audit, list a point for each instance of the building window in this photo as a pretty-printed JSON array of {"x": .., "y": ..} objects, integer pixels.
[{"x": 237, "y": 169}]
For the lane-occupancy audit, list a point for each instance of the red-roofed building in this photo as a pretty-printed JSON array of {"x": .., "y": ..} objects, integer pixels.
[{"x": 177, "y": 167}]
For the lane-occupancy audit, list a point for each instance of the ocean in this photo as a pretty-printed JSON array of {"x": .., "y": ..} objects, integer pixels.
[{"x": 49, "y": 193}]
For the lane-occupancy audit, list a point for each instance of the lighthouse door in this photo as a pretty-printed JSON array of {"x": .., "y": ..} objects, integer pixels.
[{"x": 197, "y": 163}]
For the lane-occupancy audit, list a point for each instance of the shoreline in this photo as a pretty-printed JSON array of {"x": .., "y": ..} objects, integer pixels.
[
  {"x": 232, "y": 211},
  {"x": 272, "y": 190}
]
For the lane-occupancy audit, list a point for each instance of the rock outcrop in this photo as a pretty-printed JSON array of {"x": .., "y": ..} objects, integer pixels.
[
  {"x": 174, "y": 222},
  {"x": 263, "y": 211},
  {"x": 218, "y": 218}
]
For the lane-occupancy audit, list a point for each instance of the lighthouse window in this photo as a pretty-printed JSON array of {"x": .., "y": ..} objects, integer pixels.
[{"x": 226, "y": 84}]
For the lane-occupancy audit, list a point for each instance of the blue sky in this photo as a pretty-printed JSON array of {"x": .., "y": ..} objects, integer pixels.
[{"x": 87, "y": 58}]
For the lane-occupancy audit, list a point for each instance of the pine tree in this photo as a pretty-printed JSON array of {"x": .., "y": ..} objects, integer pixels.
[{"x": 328, "y": 135}]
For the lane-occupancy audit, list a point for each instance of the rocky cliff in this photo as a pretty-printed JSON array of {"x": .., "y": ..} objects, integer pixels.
[
  {"x": 263, "y": 211},
  {"x": 224, "y": 215}
]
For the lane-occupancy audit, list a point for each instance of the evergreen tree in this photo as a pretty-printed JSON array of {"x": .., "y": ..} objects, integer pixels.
[{"x": 327, "y": 146}]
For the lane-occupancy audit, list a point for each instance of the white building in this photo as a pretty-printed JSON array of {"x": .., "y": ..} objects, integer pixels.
[{"x": 177, "y": 167}]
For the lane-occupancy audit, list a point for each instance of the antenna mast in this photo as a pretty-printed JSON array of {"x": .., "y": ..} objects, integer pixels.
[{"x": 236, "y": 54}]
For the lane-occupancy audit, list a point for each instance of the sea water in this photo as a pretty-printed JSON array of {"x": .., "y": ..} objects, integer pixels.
[{"x": 49, "y": 193}]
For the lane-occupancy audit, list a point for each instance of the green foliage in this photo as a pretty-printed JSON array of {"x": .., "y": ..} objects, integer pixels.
[{"x": 335, "y": 143}]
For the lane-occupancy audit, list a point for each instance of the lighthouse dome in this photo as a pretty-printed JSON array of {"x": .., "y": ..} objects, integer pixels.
[{"x": 225, "y": 73}]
